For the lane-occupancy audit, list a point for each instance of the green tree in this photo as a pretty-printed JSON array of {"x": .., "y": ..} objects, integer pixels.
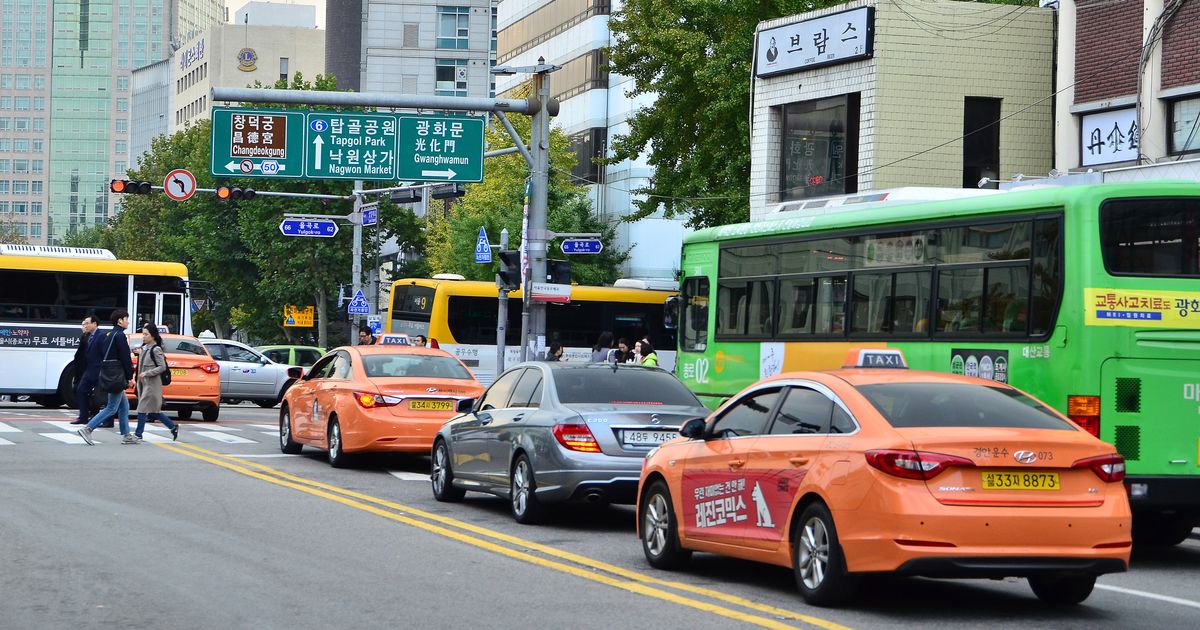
[
  {"x": 8, "y": 233},
  {"x": 498, "y": 203}
]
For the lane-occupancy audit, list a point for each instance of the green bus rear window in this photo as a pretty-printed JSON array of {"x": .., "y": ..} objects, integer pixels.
[{"x": 1151, "y": 237}]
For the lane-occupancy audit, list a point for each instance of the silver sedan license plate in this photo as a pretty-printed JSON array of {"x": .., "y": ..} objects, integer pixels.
[{"x": 647, "y": 437}]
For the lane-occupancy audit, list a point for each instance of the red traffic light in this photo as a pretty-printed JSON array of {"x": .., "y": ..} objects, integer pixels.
[
  {"x": 233, "y": 193},
  {"x": 129, "y": 187}
]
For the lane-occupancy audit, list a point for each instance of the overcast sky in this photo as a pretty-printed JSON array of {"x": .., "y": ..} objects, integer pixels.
[{"x": 234, "y": 5}]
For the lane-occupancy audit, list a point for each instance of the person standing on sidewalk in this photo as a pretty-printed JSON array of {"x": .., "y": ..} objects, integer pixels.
[
  {"x": 113, "y": 345},
  {"x": 84, "y": 385},
  {"x": 151, "y": 366}
]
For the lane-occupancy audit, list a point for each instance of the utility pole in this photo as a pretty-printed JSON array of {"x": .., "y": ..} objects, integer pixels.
[
  {"x": 356, "y": 256},
  {"x": 539, "y": 139},
  {"x": 501, "y": 312}
]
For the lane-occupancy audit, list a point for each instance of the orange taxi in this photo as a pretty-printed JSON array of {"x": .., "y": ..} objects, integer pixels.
[
  {"x": 195, "y": 377},
  {"x": 883, "y": 469},
  {"x": 382, "y": 398}
]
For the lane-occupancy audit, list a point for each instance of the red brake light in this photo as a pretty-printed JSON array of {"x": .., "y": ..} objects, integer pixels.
[
  {"x": 210, "y": 368},
  {"x": 1085, "y": 412},
  {"x": 370, "y": 401},
  {"x": 1110, "y": 468},
  {"x": 576, "y": 437},
  {"x": 913, "y": 464}
]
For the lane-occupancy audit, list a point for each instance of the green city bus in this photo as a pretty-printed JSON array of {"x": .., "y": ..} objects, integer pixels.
[{"x": 1086, "y": 296}]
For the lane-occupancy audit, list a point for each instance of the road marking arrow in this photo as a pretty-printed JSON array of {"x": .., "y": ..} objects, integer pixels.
[
  {"x": 448, "y": 173},
  {"x": 318, "y": 143}
]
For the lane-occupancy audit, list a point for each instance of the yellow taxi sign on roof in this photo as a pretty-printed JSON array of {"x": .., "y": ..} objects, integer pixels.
[{"x": 875, "y": 358}]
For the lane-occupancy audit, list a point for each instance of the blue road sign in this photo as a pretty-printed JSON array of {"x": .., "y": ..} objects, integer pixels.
[
  {"x": 582, "y": 246},
  {"x": 483, "y": 249},
  {"x": 370, "y": 215},
  {"x": 322, "y": 228},
  {"x": 359, "y": 305}
]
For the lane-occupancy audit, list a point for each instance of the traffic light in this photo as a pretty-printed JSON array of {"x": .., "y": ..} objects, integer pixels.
[
  {"x": 447, "y": 191},
  {"x": 129, "y": 187},
  {"x": 509, "y": 275},
  {"x": 407, "y": 195},
  {"x": 232, "y": 193},
  {"x": 558, "y": 271}
]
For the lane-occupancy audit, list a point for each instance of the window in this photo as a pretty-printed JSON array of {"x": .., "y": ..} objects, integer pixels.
[
  {"x": 47, "y": 295},
  {"x": 122, "y": 125},
  {"x": 528, "y": 392},
  {"x": 39, "y": 124},
  {"x": 1185, "y": 126},
  {"x": 35, "y": 230},
  {"x": 5, "y": 123},
  {"x": 35, "y": 187},
  {"x": 803, "y": 411},
  {"x": 20, "y": 166},
  {"x": 35, "y": 208},
  {"x": 4, "y": 186},
  {"x": 906, "y": 405},
  {"x": 981, "y": 141},
  {"x": 20, "y": 207},
  {"x": 4, "y": 207},
  {"x": 122, "y": 147},
  {"x": 283, "y": 68},
  {"x": 960, "y": 300},
  {"x": 5, "y": 166},
  {"x": 454, "y": 27},
  {"x": 122, "y": 84},
  {"x": 38, "y": 166},
  {"x": 601, "y": 384},
  {"x": 6, "y": 145},
  {"x": 6, "y": 81},
  {"x": 24, "y": 81},
  {"x": 413, "y": 366},
  {"x": 39, "y": 104},
  {"x": 20, "y": 145},
  {"x": 39, "y": 82},
  {"x": 694, "y": 318},
  {"x": 237, "y": 353},
  {"x": 820, "y": 147},
  {"x": 496, "y": 396},
  {"x": 20, "y": 187},
  {"x": 23, "y": 103},
  {"x": 6, "y": 102},
  {"x": 122, "y": 104},
  {"x": 38, "y": 145},
  {"x": 748, "y": 416},
  {"x": 1151, "y": 237},
  {"x": 746, "y": 308},
  {"x": 451, "y": 76}
]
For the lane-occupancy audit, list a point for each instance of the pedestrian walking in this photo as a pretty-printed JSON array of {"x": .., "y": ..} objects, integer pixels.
[
  {"x": 152, "y": 364},
  {"x": 645, "y": 353},
  {"x": 602, "y": 352},
  {"x": 112, "y": 346},
  {"x": 83, "y": 385}
]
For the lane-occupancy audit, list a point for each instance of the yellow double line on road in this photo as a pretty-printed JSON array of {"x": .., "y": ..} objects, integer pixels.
[{"x": 616, "y": 577}]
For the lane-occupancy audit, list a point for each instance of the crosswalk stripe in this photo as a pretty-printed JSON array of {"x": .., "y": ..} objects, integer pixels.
[
  {"x": 266, "y": 427},
  {"x": 68, "y": 438},
  {"x": 65, "y": 425},
  {"x": 150, "y": 437},
  {"x": 223, "y": 437},
  {"x": 4, "y": 442},
  {"x": 7, "y": 428},
  {"x": 404, "y": 475},
  {"x": 217, "y": 427}
]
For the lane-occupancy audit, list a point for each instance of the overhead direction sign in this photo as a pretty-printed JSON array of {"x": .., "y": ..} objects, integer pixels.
[
  {"x": 483, "y": 249},
  {"x": 257, "y": 143},
  {"x": 359, "y": 305},
  {"x": 180, "y": 184},
  {"x": 440, "y": 149},
  {"x": 350, "y": 146},
  {"x": 322, "y": 228},
  {"x": 582, "y": 246}
]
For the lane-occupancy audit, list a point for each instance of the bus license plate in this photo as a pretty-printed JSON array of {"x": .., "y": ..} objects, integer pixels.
[
  {"x": 430, "y": 405},
  {"x": 1020, "y": 481},
  {"x": 179, "y": 371},
  {"x": 647, "y": 438}
]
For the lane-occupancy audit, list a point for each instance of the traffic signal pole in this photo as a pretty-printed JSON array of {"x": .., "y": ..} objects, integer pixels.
[{"x": 356, "y": 260}]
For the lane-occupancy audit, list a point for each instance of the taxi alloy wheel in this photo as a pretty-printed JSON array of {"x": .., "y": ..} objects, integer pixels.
[
  {"x": 660, "y": 536},
  {"x": 285, "y": 433},
  {"x": 820, "y": 567},
  {"x": 526, "y": 508},
  {"x": 337, "y": 456},
  {"x": 1063, "y": 590},
  {"x": 443, "y": 476}
]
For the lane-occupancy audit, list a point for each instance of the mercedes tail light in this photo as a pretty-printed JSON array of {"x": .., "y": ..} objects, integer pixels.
[
  {"x": 914, "y": 464},
  {"x": 1085, "y": 412},
  {"x": 576, "y": 437},
  {"x": 210, "y": 368},
  {"x": 368, "y": 400},
  {"x": 1110, "y": 468}
]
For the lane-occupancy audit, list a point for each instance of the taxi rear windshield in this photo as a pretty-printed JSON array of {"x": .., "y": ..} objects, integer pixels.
[
  {"x": 413, "y": 366},
  {"x": 908, "y": 405},
  {"x": 606, "y": 385}
]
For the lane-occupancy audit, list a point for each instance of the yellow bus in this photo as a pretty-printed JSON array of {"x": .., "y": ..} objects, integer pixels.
[
  {"x": 45, "y": 292},
  {"x": 461, "y": 316}
]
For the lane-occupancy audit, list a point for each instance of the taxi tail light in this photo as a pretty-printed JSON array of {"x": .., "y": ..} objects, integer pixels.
[
  {"x": 210, "y": 368},
  {"x": 1110, "y": 468},
  {"x": 1085, "y": 412},
  {"x": 918, "y": 465},
  {"x": 368, "y": 400},
  {"x": 576, "y": 437}
]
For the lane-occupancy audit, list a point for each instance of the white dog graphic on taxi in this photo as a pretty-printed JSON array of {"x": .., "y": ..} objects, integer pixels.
[{"x": 760, "y": 503}]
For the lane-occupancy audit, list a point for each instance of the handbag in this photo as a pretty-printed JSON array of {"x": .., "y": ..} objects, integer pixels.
[
  {"x": 165, "y": 376},
  {"x": 112, "y": 374}
]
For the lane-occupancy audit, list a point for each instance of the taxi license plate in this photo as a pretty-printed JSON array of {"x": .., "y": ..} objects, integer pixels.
[
  {"x": 647, "y": 438},
  {"x": 179, "y": 371},
  {"x": 430, "y": 405},
  {"x": 1020, "y": 481}
]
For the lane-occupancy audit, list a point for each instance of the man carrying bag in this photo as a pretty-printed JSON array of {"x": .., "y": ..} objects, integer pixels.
[{"x": 115, "y": 375}]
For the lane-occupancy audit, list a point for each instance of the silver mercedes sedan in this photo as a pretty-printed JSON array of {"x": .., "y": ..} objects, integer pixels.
[{"x": 560, "y": 433}]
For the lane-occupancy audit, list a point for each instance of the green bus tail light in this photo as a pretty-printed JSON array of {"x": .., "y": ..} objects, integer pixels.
[{"x": 1085, "y": 412}]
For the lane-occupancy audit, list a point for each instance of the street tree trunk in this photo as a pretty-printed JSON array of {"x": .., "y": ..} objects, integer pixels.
[{"x": 322, "y": 320}]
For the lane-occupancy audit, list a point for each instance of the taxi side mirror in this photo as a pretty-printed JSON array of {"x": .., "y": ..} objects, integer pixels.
[
  {"x": 693, "y": 429},
  {"x": 295, "y": 372},
  {"x": 465, "y": 405}
]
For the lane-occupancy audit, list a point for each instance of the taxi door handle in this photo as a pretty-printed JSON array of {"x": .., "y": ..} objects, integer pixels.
[
  {"x": 737, "y": 463},
  {"x": 518, "y": 417},
  {"x": 798, "y": 461}
]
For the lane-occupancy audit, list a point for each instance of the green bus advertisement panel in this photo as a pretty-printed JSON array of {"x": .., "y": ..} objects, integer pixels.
[{"x": 1088, "y": 297}]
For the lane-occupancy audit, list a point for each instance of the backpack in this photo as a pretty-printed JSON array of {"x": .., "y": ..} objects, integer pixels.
[{"x": 166, "y": 375}]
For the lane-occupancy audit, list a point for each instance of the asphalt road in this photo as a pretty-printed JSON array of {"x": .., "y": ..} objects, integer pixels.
[{"x": 223, "y": 531}]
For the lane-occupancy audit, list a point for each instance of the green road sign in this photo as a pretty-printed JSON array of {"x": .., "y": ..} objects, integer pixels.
[
  {"x": 257, "y": 143},
  {"x": 440, "y": 149},
  {"x": 350, "y": 146}
]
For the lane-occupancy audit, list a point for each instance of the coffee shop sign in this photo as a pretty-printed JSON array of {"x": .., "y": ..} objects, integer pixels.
[{"x": 191, "y": 55}]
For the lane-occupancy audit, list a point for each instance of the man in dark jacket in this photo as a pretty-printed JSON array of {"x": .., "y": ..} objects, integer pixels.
[
  {"x": 111, "y": 345},
  {"x": 84, "y": 387}
]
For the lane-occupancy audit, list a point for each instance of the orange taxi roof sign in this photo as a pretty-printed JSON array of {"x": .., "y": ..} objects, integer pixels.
[{"x": 875, "y": 358}]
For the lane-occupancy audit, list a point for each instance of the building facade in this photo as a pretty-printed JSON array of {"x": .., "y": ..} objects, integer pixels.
[
  {"x": 874, "y": 95},
  {"x": 1129, "y": 105},
  {"x": 573, "y": 34},
  {"x": 277, "y": 14}
]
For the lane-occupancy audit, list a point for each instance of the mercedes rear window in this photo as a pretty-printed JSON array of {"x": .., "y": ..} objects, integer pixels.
[
  {"x": 908, "y": 405},
  {"x": 605, "y": 384},
  {"x": 413, "y": 366}
]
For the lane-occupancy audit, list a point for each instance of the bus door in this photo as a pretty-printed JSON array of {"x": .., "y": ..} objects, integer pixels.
[{"x": 164, "y": 309}]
